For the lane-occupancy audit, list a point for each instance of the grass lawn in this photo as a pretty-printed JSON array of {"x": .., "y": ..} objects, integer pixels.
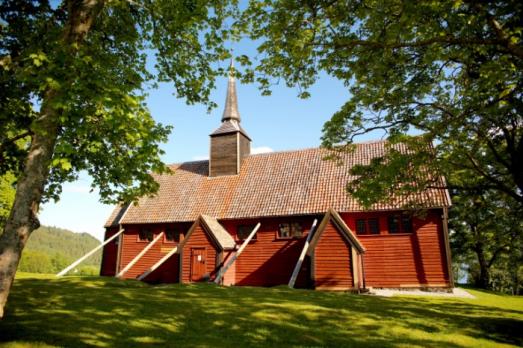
[{"x": 75, "y": 311}]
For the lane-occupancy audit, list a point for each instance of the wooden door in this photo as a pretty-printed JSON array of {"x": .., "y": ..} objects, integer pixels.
[{"x": 198, "y": 259}]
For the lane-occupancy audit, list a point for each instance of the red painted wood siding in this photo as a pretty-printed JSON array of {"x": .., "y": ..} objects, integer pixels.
[
  {"x": 408, "y": 260},
  {"x": 269, "y": 261},
  {"x": 416, "y": 259},
  {"x": 198, "y": 239},
  {"x": 109, "y": 255},
  {"x": 332, "y": 260},
  {"x": 132, "y": 246}
]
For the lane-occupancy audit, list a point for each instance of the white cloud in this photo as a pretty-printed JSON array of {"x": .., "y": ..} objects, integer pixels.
[
  {"x": 261, "y": 149},
  {"x": 200, "y": 158}
]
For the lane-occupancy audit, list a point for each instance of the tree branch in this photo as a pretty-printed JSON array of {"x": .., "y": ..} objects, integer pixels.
[{"x": 7, "y": 142}]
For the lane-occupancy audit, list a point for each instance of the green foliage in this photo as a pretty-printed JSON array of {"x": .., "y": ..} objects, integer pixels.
[
  {"x": 97, "y": 86},
  {"x": 7, "y": 197},
  {"x": 487, "y": 236},
  {"x": 451, "y": 70},
  {"x": 51, "y": 249},
  {"x": 203, "y": 315},
  {"x": 36, "y": 262}
]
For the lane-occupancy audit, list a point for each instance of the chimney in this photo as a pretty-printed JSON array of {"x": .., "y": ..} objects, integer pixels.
[{"x": 230, "y": 144}]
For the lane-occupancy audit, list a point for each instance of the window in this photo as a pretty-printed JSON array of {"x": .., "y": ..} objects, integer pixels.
[
  {"x": 374, "y": 226},
  {"x": 296, "y": 230},
  {"x": 145, "y": 235},
  {"x": 367, "y": 226},
  {"x": 290, "y": 230},
  {"x": 243, "y": 232},
  {"x": 361, "y": 226},
  {"x": 406, "y": 224},
  {"x": 284, "y": 231},
  {"x": 400, "y": 224},
  {"x": 394, "y": 224},
  {"x": 172, "y": 235}
]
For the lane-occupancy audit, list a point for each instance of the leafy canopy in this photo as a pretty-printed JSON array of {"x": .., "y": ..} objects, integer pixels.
[
  {"x": 451, "y": 71},
  {"x": 105, "y": 127}
]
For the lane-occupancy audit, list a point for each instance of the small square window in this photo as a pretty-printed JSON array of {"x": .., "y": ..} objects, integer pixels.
[
  {"x": 145, "y": 235},
  {"x": 406, "y": 224},
  {"x": 394, "y": 224},
  {"x": 361, "y": 226},
  {"x": 284, "y": 230},
  {"x": 172, "y": 236},
  {"x": 374, "y": 226},
  {"x": 243, "y": 232},
  {"x": 296, "y": 230}
]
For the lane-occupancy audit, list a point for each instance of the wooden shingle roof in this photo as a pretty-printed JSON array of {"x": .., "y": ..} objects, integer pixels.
[
  {"x": 272, "y": 184},
  {"x": 214, "y": 229}
]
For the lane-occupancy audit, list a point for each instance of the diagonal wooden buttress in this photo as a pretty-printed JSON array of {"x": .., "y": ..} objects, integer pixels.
[{"x": 139, "y": 256}]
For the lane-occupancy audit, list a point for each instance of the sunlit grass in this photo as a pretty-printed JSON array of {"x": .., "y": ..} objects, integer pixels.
[{"x": 46, "y": 311}]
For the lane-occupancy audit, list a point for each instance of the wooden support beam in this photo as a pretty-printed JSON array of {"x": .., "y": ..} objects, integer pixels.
[
  {"x": 224, "y": 269},
  {"x": 77, "y": 262},
  {"x": 355, "y": 267},
  {"x": 297, "y": 268},
  {"x": 158, "y": 264},
  {"x": 139, "y": 256}
]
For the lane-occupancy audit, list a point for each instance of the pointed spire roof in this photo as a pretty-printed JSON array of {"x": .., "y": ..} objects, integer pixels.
[{"x": 231, "y": 100}]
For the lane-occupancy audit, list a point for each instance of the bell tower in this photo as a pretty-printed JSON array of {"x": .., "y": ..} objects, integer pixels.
[{"x": 230, "y": 144}]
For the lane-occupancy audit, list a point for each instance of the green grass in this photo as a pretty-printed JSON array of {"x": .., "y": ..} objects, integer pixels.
[{"x": 73, "y": 311}]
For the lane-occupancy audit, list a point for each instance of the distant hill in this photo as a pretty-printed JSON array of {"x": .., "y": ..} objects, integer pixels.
[{"x": 51, "y": 249}]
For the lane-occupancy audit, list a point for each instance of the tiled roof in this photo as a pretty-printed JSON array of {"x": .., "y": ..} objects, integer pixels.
[
  {"x": 229, "y": 126},
  {"x": 272, "y": 184},
  {"x": 221, "y": 236}
]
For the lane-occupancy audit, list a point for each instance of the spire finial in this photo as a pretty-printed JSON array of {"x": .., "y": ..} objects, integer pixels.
[{"x": 231, "y": 100}]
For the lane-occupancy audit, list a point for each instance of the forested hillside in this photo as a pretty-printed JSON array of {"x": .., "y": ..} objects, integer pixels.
[{"x": 51, "y": 249}]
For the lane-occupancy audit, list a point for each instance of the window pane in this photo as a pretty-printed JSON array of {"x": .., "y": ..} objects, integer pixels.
[
  {"x": 284, "y": 231},
  {"x": 393, "y": 224},
  {"x": 296, "y": 230},
  {"x": 243, "y": 232},
  {"x": 374, "y": 226},
  {"x": 172, "y": 235},
  {"x": 145, "y": 235},
  {"x": 361, "y": 226},
  {"x": 406, "y": 224}
]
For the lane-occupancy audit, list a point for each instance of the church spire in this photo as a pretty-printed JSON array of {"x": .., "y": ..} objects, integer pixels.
[{"x": 231, "y": 100}]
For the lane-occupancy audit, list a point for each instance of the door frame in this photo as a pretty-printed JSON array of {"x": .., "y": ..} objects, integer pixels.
[{"x": 204, "y": 255}]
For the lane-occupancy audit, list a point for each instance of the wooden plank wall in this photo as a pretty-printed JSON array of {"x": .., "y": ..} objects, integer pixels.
[
  {"x": 404, "y": 260},
  {"x": 391, "y": 260},
  {"x": 168, "y": 272},
  {"x": 332, "y": 261},
  {"x": 245, "y": 147},
  {"x": 198, "y": 239},
  {"x": 109, "y": 255},
  {"x": 269, "y": 261},
  {"x": 224, "y": 155}
]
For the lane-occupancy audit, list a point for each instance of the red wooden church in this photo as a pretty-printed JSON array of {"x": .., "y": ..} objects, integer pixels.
[{"x": 195, "y": 227}]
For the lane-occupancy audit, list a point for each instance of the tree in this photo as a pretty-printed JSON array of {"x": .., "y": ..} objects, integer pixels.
[
  {"x": 450, "y": 70},
  {"x": 484, "y": 226},
  {"x": 75, "y": 77}
]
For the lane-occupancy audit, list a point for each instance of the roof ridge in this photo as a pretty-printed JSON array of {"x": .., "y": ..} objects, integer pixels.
[{"x": 283, "y": 151}]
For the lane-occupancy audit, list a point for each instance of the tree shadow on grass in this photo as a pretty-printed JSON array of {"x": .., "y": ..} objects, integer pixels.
[{"x": 108, "y": 312}]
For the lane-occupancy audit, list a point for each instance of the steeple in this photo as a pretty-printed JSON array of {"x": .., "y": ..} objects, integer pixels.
[
  {"x": 231, "y": 100},
  {"x": 230, "y": 144}
]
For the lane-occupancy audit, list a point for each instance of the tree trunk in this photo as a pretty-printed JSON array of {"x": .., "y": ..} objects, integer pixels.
[
  {"x": 31, "y": 184},
  {"x": 22, "y": 220},
  {"x": 484, "y": 271}
]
